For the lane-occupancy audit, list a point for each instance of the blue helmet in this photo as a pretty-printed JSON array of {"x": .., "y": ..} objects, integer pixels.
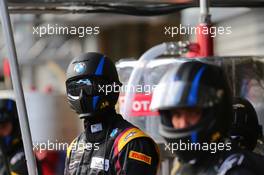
[
  {"x": 87, "y": 78},
  {"x": 8, "y": 110},
  {"x": 194, "y": 84}
]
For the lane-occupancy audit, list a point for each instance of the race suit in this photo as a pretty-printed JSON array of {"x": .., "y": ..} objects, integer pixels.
[
  {"x": 237, "y": 162},
  {"x": 123, "y": 149}
]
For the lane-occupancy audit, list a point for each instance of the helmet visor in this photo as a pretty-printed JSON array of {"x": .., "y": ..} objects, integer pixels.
[
  {"x": 180, "y": 94},
  {"x": 90, "y": 86},
  {"x": 75, "y": 87}
]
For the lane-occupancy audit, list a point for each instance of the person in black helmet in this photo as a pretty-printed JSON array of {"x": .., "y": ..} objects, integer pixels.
[
  {"x": 245, "y": 129},
  {"x": 13, "y": 157},
  {"x": 109, "y": 145},
  {"x": 195, "y": 105}
]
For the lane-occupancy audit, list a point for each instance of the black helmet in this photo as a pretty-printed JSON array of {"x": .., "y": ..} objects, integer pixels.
[
  {"x": 87, "y": 77},
  {"x": 8, "y": 110},
  {"x": 194, "y": 85},
  {"x": 245, "y": 128}
]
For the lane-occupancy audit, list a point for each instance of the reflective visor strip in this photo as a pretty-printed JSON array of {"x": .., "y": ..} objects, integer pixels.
[
  {"x": 99, "y": 71},
  {"x": 192, "y": 98}
]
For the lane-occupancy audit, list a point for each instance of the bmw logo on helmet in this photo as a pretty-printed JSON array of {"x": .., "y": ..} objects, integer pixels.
[{"x": 80, "y": 68}]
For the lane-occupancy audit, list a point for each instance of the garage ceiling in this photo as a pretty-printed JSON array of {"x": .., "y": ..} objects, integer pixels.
[{"x": 132, "y": 7}]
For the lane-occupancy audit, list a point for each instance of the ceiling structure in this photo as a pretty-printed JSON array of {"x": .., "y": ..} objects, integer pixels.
[{"x": 130, "y": 7}]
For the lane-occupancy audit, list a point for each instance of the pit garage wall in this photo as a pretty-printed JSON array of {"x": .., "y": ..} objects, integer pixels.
[
  {"x": 247, "y": 27},
  {"x": 247, "y": 36}
]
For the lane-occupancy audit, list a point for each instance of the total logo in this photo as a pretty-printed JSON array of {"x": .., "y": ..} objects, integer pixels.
[
  {"x": 80, "y": 68},
  {"x": 140, "y": 105}
]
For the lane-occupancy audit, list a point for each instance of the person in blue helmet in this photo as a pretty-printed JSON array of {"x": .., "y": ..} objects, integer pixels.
[
  {"x": 10, "y": 139},
  {"x": 195, "y": 104},
  {"x": 109, "y": 144},
  {"x": 12, "y": 158}
]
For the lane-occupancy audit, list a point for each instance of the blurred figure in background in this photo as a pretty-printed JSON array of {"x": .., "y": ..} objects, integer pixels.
[
  {"x": 245, "y": 129},
  {"x": 13, "y": 160},
  {"x": 13, "y": 157}
]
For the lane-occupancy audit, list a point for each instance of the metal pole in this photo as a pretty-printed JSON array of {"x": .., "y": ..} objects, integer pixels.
[
  {"x": 204, "y": 7},
  {"x": 20, "y": 100},
  {"x": 205, "y": 39}
]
